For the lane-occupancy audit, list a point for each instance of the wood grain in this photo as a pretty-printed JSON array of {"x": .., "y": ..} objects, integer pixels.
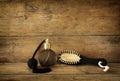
[
  {"x": 20, "y": 72},
  {"x": 39, "y": 77},
  {"x": 19, "y": 49},
  {"x": 90, "y": 26},
  {"x": 23, "y": 69},
  {"x": 55, "y": 17}
]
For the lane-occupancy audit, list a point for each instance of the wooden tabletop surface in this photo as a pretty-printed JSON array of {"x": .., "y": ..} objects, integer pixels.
[{"x": 60, "y": 72}]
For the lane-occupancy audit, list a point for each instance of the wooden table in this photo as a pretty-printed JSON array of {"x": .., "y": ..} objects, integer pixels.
[{"x": 60, "y": 72}]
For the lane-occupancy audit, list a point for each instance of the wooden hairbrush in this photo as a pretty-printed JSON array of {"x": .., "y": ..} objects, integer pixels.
[{"x": 70, "y": 57}]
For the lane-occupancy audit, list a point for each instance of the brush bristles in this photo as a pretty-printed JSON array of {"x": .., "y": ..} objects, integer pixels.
[{"x": 69, "y": 57}]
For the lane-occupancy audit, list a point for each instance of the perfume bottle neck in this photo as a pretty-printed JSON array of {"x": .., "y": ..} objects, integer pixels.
[{"x": 47, "y": 45}]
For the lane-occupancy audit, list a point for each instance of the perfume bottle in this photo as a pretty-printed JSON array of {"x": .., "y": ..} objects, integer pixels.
[{"x": 47, "y": 56}]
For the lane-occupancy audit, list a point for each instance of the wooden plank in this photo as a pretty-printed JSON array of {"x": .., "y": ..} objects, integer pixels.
[
  {"x": 20, "y": 72},
  {"x": 68, "y": 77},
  {"x": 53, "y": 17},
  {"x": 19, "y": 49},
  {"x": 22, "y": 69}
]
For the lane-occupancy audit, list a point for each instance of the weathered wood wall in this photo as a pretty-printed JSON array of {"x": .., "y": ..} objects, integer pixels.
[{"x": 90, "y": 26}]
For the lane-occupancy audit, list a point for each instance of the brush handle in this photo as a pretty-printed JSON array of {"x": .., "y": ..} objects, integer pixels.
[
  {"x": 93, "y": 61},
  {"x": 101, "y": 62}
]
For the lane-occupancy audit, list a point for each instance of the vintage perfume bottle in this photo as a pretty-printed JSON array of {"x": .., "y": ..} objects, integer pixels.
[{"x": 47, "y": 56}]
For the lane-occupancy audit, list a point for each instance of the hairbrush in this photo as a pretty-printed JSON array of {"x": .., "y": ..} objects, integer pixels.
[{"x": 71, "y": 57}]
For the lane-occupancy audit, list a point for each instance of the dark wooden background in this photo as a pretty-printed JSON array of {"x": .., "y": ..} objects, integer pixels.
[{"x": 90, "y": 26}]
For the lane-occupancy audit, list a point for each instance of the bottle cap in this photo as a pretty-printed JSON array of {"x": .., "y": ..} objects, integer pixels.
[{"x": 47, "y": 44}]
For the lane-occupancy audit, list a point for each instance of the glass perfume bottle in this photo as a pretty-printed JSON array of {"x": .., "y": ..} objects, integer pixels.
[{"x": 47, "y": 56}]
